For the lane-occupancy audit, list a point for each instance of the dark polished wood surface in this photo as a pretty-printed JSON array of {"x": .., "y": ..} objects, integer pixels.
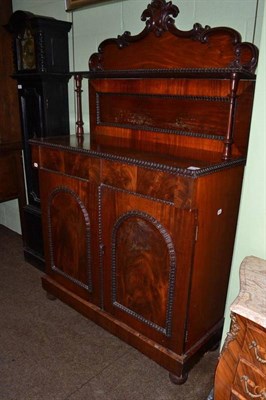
[
  {"x": 189, "y": 161},
  {"x": 11, "y": 172},
  {"x": 144, "y": 224},
  {"x": 10, "y": 133},
  {"x": 140, "y": 215},
  {"x": 11, "y": 169}
]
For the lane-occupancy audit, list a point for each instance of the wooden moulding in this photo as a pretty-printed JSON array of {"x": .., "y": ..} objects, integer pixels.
[{"x": 191, "y": 51}]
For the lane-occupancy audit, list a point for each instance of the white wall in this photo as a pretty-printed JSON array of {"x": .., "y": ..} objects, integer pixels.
[
  {"x": 94, "y": 23},
  {"x": 9, "y": 215}
]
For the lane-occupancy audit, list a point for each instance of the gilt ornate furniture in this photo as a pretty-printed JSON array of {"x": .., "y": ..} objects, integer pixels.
[
  {"x": 241, "y": 372},
  {"x": 139, "y": 217}
]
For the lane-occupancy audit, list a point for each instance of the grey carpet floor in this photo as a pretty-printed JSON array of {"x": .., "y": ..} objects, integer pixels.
[{"x": 50, "y": 352}]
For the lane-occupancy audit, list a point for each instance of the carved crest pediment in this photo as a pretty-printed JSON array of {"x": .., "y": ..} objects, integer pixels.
[
  {"x": 161, "y": 45},
  {"x": 159, "y": 15}
]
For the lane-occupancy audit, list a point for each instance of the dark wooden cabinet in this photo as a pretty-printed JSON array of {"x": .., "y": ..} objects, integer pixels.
[
  {"x": 11, "y": 172},
  {"x": 11, "y": 168},
  {"x": 140, "y": 215},
  {"x": 40, "y": 47},
  {"x": 44, "y": 113}
]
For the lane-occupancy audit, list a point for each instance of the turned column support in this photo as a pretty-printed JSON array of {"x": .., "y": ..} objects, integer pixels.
[
  {"x": 79, "y": 123},
  {"x": 227, "y": 153}
]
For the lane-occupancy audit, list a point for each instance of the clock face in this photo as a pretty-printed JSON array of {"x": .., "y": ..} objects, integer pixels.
[{"x": 28, "y": 60}]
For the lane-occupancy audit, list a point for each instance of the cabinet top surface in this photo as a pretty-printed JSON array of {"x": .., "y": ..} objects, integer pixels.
[
  {"x": 251, "y": 301},
  {"x": 185, "y": 161}
]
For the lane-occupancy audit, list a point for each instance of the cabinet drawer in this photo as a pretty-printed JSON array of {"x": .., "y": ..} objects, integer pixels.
[
  {"x": 52, "y": 159},
  {"x": 69, "y": 163},
  {"x": 35, "y": 155},
  {"x": 254, "y": 346},
  {"x": 249, "y": 381},
  {"x": 165, "y": 186},
  {"x": 119, "y": 175},
  {"x": 82, "y": 166},
  {"x": 154, "y": 184}
]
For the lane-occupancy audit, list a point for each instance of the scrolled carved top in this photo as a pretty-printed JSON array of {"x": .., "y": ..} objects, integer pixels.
[
  {"x": 161, "y": 45},
  {"x": 158, "y": 16}
]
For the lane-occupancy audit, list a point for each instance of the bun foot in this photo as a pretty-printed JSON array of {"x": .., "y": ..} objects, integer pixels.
[{"x": 178, "y": 380}]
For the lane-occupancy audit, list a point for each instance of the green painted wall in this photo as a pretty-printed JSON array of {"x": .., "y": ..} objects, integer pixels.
[
  {"x": 94, "y": 23},
  {"x": 251, "y": 230}
]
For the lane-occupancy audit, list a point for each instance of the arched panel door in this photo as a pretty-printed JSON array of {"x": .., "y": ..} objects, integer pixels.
[
  {"x": 146, "y": 263},
  {"x": 68, "y": 220},
  {"x": 69, "y": 236}
]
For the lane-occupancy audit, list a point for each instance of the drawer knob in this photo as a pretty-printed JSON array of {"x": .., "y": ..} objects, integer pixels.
[
  {"x": 253, "y": 345},
  {"x": 257, "y": 393}
]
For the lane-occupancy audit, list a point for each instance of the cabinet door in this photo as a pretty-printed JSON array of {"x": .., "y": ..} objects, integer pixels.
[
  {"x": 147, "y": 253},
  {"x": 70, "y": 234}
]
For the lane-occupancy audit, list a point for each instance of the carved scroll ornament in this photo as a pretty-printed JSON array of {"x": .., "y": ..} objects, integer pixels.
[{"x": 159, "y": 17}]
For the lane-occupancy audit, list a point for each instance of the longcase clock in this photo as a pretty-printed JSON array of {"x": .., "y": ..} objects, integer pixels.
[{"x": 41, "y": 63}]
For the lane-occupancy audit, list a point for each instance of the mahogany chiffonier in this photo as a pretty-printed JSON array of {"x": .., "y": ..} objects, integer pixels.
[
  {"x": 139, "y": 216},
  {"x": 241, "y": 371}
]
